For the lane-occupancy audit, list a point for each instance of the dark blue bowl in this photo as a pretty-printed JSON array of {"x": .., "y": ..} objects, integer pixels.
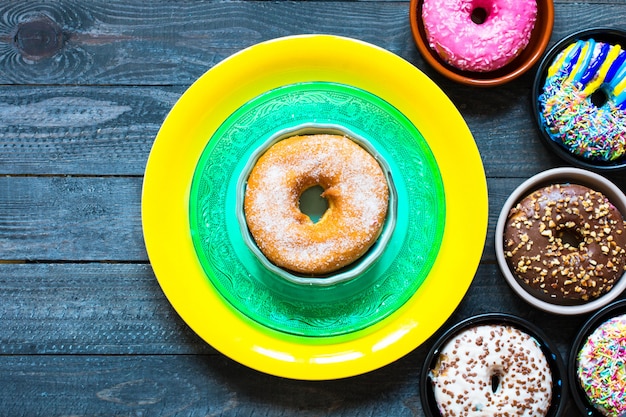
[
  {"x": 559, "y": 380},
  {"x": 580, "y": 398},
  {"x": 608, "y": 35}
]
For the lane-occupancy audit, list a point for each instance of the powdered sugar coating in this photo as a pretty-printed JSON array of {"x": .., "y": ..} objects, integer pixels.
[
  {"x": 478, "y": 47},
  {"x": 463, "y": 379},
  {"x": 355, "y": 188}
]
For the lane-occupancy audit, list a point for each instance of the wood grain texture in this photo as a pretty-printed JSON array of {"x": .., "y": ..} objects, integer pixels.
[
  {"x": 65, "y": 218},
  {"x": 175, "y": 42},
  {"x": 110, "y": 130},
  {"x": 85, "y": 329},
  {"x": 118, "y": 309},
  {"x": 194, "y": 386},
  {"x": 98, "y": 218},
  {"x": 89, "y": 308},
  {"x": 104, "y": 335},
  {"x": 166, "y": 43},
  {"x": 80, "y": 130}
]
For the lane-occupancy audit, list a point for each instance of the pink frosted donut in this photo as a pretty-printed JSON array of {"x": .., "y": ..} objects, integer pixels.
[{"x": 478, "y": 35}]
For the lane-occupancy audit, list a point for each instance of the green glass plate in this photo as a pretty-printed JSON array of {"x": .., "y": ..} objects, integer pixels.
[{"x": 271, "y": 301}]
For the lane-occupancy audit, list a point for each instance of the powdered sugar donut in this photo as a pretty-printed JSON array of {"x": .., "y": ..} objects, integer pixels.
[
  {"x": 492, "y": 370},
  {"x": 354, "y": 186},
  {"x": 478, "y": 35}
]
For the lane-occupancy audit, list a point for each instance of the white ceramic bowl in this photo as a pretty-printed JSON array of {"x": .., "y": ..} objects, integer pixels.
[{"x": 558, "y": 176}]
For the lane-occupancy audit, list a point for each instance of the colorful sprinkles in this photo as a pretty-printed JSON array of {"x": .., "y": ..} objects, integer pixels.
[
  {"x": 602, "y": 367},
  {"x": 583, "y": 103}
]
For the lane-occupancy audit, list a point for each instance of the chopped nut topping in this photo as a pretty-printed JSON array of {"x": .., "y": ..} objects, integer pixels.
[{"x": 556, "y": 231}]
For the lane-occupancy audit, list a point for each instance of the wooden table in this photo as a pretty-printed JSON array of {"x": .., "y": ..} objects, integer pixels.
[{"x": 85, "y": 329}]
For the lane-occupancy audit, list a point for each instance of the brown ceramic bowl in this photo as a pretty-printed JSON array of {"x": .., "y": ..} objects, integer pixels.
[{"x": 539, "y": 39}]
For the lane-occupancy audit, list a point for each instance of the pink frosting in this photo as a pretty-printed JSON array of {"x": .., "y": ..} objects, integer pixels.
[{"x": 478, "y": 47}]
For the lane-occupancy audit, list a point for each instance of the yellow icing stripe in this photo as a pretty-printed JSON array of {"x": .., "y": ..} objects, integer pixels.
[
  {"x": 559, "y": 62},
  {"x": 581, "y": 63},
  {"x": 599, "y": 79},
  {"x": 619, "y": 87}
]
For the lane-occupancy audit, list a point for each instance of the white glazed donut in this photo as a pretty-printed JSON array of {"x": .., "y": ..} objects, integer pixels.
[
  {"x": 492, "y": 370},
  {"x": 503, "y": 31}
]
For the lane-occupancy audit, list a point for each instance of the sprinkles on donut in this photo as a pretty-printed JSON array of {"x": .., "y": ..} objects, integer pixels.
[
  {"x": 583, "y": 103},
  {"x": 478, "y": 35},
  {"x": 602, "y": 367},
  {"x": 355, "y": 189},
  {"x": 565, "y": 243},
  {"x": 492, "y": 370}
]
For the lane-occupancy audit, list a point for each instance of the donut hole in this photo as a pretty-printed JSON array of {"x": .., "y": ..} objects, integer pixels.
[
  {"x": 479, "y": 15},
  {"x": 599, "y": 97},
  {"x": 312, "y": 204},
  {"x": 495, "y": 382},
  {"x": 569, "y": 236}
]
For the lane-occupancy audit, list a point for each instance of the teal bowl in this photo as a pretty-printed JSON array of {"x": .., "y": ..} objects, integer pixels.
[
  {"x": 347, "y": 273},
  {"x": 358, "y": 296}
]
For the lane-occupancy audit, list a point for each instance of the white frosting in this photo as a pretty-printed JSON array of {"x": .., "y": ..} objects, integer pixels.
[{"x": 492, "y": 370}]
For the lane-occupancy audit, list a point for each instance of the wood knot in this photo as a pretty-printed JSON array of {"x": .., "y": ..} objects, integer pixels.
[{"x": 38, "y": 38}]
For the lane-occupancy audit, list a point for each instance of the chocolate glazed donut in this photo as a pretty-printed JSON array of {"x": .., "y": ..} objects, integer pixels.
[{"x": 565, "y": 243}]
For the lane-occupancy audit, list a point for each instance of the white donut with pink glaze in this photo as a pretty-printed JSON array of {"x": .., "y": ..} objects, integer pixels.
[{"x": 478, "y": 35}]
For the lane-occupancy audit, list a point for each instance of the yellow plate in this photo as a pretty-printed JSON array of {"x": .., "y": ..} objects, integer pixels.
[{"x": 198, "y": 114}]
